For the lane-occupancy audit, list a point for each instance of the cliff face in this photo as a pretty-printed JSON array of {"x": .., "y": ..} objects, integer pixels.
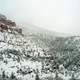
[
  {"x": 4, "y": 20},
  {"x": 3, "y": 17}
]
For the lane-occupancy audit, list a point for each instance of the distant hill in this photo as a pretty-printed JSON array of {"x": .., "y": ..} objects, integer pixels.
[{"x": 66, "y": 47}]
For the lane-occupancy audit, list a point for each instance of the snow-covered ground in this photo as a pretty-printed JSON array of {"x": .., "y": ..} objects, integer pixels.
[
  {"x": 9, "y": 64},
  {"x": 16, "y": 56}
]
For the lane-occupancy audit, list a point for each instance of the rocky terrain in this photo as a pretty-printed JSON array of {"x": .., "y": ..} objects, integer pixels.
[{"x": 37, "y": 55}]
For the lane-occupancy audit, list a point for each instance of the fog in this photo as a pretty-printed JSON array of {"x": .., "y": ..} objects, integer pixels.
[{"x": 55, "y": 15}]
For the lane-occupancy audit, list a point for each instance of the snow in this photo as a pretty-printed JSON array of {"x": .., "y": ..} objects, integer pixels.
[{"x": 11, "y": 65}]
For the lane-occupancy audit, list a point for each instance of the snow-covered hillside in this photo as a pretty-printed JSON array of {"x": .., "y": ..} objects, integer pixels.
[
  {"x": 27, "y": 54},
  {"x": 16, "y": 51}
]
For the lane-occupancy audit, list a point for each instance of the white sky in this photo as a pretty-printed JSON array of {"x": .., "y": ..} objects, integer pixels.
[{"x": 57, "y": 15}]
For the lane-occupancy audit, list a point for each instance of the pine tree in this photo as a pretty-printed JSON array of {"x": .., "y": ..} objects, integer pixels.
[
  {"x": 73, "y": 78},
  {"x": 37, "y": 77},
  {"x": 3, "y": 74},
  {"x": 12, "y": 76}
]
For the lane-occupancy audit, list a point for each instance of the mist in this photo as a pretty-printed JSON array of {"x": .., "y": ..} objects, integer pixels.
[{"x": 55, "y": 15}]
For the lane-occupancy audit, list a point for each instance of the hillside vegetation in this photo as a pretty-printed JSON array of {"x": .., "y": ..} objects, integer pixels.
[{"x": 37, "y": 55}]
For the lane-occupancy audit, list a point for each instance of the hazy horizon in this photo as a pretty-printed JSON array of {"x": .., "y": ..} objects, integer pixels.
[{"x": 55, "y": 15}]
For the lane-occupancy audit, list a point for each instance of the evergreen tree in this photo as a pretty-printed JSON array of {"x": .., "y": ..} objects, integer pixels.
[
  {"x": 3, "y": 74},
  {"x": 37, "y": 77},
  {"x": 73, "y": 77},
  {"x": 12, "y": 76}
]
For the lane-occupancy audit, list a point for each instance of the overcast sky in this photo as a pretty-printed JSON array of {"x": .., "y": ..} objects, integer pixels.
[{"x": 57, "y": 15}]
